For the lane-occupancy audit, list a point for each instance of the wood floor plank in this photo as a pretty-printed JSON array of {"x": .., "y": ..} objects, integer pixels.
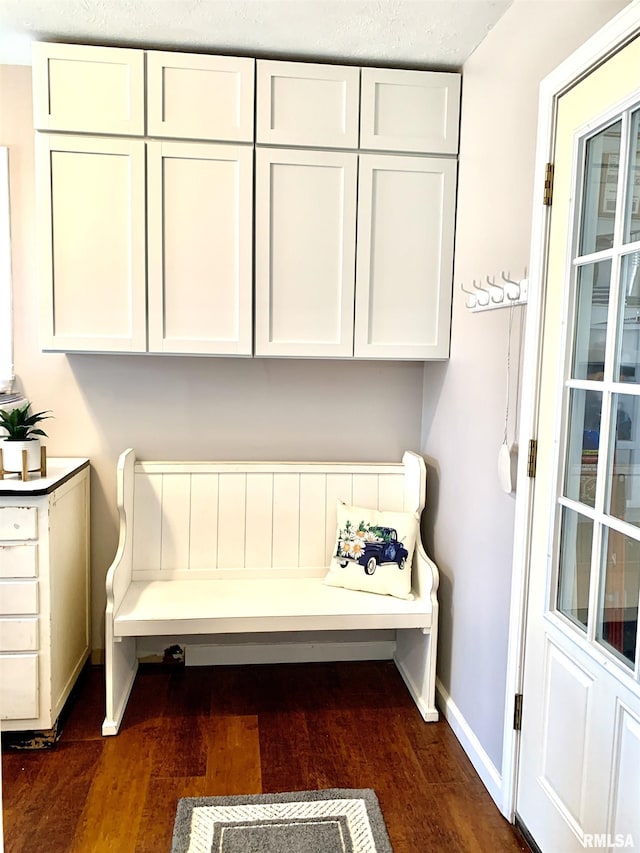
[
  {"x": 64, "y": 773},
  {"x": 218, "y": 731},
  {"x": 233, "y": 757},
  {"x": 158, "y": 815}
]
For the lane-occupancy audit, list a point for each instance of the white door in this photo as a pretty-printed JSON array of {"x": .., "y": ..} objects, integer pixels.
[
  {"x": 91, "y": 232},
  {"x": 406, "y": 213},
  {"x": 305, "y": 252},
  {"x": 579, "y": 771},
  {"x": 200, "y": 228}
]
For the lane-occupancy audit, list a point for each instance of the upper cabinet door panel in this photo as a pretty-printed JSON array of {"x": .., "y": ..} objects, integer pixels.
[
  {"x": 91, "y": 224},
  {"x": 88, "y": 89},
  {"x": 406, "y": 210},
  {"x": 301, "y": 103},
  {"x": 305, "y": 252},
  {"x": 200, "y": 247},
  {"x": 416, "y": 111},
  {"x": 192, "y": 96}
]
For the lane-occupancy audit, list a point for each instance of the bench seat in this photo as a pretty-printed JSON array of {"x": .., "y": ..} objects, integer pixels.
[
  {"x": 158, "y": 607},
  {"x": 240, "y": 549}
]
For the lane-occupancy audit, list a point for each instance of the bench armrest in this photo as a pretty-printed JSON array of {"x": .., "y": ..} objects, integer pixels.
[{"x": 120, "y": 571}]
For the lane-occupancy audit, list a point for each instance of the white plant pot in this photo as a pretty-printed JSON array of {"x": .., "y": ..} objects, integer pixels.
[{"x": 12, "y": 454}]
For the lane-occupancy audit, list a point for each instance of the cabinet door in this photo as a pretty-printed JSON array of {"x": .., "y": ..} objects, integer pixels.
[
  {"x": 300, "y": 103},
  {"x": 192, "y": 96},
  {"x": 200, "y": 247},
  {"x": 88, "y": 89},
  {"x": 305, "y": 252},
  {"x": 406, "y": 209},
  {"x": 410, "y": 111},
  {"x": 91, "y": 208}
]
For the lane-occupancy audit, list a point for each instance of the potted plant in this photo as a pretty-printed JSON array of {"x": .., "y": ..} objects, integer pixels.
[{"x": 21, "y": 434}]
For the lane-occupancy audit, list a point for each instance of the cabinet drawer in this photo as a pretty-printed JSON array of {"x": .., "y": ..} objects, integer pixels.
[
  {"x": 18, "y": 598},
  {"x": 18, "y": 522},
  {"x": 300, "y": 103},
  {"x": 415, "y": 111},
  {"x": 19, "y": 634},
  {"x": 88, "y": 89},
  {"x": 19, "y": 687},
  {"x": 18, "y": 561},
  {"x": 193, "y": 96}
]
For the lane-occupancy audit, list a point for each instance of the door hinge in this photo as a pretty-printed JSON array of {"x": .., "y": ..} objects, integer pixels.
[
  {"x": 517, "y": 713},
  {"x": 532, "y": 458},
  {"x": 548, "y": 184}
]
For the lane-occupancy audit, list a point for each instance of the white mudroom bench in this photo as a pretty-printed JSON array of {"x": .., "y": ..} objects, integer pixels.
[{"x": 229, "y": 548}]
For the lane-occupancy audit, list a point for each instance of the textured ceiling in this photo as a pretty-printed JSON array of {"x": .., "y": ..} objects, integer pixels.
[{"x": 431, "y": 33}]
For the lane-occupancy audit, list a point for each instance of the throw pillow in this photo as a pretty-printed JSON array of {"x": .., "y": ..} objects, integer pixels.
[{"x": 374, "y": 551}]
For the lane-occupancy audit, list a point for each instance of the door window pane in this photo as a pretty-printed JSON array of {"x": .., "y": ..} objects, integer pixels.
[
  {"x": 592, "y": 305},
  {"x": 628, "y": 366},
  {"x": 575, "y": 566},
  {"x": 618, "y": 606},
  {"x": 632, "y": 217},
  {"x": 582, "y": 447},
  {"x": 623, "y": 476},
  {"x": 600, "y": 190}
]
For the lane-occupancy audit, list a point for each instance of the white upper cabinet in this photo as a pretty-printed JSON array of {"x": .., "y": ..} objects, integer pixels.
[
  {"x": 415, "y": 111},
  {"x": 195, "y": 96},
  {"x": 91, "y": 208},
  {"x": 200, "y": 225},
  {"x": 167, "y": 244},
  {"x": 88, "y": 89},
  {"x": 406, "y": 209},
  {"x": 305, "y": 252},
  {"x": 304, "y": 104}
]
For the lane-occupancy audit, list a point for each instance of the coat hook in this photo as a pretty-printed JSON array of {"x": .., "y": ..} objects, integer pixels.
[
  {"x": 496, "y": 297},
  {"x": 513, "y": 293},
  {"x": 469, "y": 303},
  {"x": 486, "y": 297},
  {"x": 507, "y": 279}
]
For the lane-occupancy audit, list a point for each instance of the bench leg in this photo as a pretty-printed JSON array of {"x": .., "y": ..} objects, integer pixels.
[
  {"x": 121, "y": 665},
  {"x": 415, "y": 657}
]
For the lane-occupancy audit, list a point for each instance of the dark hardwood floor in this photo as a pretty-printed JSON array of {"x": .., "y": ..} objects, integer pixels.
[{"x": 242, "y": 730}]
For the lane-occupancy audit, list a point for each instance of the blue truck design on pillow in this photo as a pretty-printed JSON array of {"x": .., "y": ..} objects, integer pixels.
[{"x": 370, "y": 545}]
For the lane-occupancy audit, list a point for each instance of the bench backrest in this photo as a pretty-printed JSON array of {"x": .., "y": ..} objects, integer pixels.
[{"x": 209, "y": 519}]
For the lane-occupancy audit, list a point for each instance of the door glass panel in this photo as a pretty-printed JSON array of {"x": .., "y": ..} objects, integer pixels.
[
  {"x": 623, "y": 476},
  {"x": 632, "y": 217},
  {"x": 582, "y": 449},
  {"x": 600, "y": 190},
  {"x": 618, "y": 606},
  {"x": 575, "y": 566},
  {"x": 628, "y": 355},
  {"x": 592, "y": 306}
]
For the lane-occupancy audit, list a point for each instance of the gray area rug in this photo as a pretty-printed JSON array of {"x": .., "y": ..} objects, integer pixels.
[{"x": 340, "y": 820}]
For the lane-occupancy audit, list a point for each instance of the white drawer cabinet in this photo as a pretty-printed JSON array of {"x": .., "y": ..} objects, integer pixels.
[
  {"x": 89, "y": 89},
  {"x": 44, "y": 594},
  {"x": 195, "y": 96}
]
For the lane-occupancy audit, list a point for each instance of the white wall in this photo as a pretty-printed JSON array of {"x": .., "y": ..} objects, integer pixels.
[
  {"x": 183, "y": 407},
  {"x": 469, "y": 523}
]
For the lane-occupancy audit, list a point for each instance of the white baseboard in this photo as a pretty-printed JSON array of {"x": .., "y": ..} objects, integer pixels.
[
  {"x": 246, "y": 653},
  {"x": 484, "y": 767}
]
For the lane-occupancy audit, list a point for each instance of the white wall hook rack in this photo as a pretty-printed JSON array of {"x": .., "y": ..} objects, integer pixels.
[{"x": 496, "y": 294}]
